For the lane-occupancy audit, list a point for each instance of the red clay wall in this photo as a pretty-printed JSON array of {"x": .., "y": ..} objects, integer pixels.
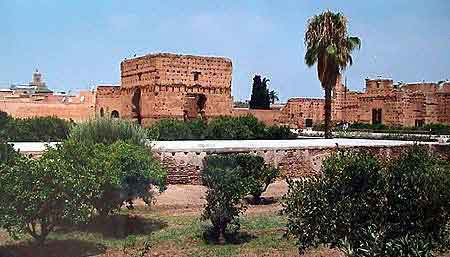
[{"x": 78, "y": 108}]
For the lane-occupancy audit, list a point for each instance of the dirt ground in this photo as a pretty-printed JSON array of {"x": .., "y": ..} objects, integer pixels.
[
  {"x": 178, "y": 206},
  {"x": 192, "y": 198}
]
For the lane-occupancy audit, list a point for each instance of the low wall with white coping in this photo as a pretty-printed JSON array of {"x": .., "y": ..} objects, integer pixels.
[{"x": 296, "y": 158}]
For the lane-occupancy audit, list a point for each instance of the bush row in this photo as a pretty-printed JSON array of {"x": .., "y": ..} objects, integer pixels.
[
  {"x": 368, "y": 207},
  {"x": 433, "y": 128},
  {"x": 244, "y": 127},
  {"x": 33, "y": 129}
]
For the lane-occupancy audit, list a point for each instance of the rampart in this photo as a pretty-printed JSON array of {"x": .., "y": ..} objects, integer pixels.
[{"x": 296, "y": 158}]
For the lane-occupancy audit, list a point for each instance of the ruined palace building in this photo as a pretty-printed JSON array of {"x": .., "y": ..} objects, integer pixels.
[{"x": 186, "y": 87}]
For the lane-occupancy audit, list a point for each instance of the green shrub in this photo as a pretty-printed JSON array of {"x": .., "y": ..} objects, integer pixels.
[
  {"x": 42, "y": 129},
  {"x": 225, "y": 191},
  {"x": 172, "y": 129},
  {"x": 243, "y": 127},
  {"x": 121, "y": 172},
  {"x": 139, "y": 172},
  {"x": 374, "y": 244},
  {"x": 107, "y": 131},
  {"x": 229, "y": 128},
  {"x": 37, "y": 195},
  {"x": 418, "y": 199},
  {"x": 279, "y": 132},
  {"x": 7, "y": 153},
  {"x": 368, "y": 208},
  {"x": 229, "y": 178},
  {"x": 259, "y": 175},
  {"x": 337, "y": 204}
]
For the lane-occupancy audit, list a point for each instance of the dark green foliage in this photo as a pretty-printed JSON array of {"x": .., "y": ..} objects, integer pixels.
[
  {"x": 374, "y": 245},
  {"x": 38, "y": 129},
  {"x": 122, "y": 172},
  {"x": 337, "y": 205},
  {"x": 70, "y": 181},
  {"x": 138, "y": 171},
  {"x": 7, "y": 153},
  {"x": 279, "y": 132},
  {"x": 229, "y": 178},
  {"x": 260, "y": 175},
  {"x": 243, "y": 127},
  {"x": 369, "y": 208},
  {"x": 124, "y": 168},
  {"x": 108, "y": 131},
  {"x": 226, "y": 189},
  {"x": 418, "y": 196},
  {"x": 172, "y": 129},
  {"x": 260, "y": 98},
  {"x": 37, "y": 195},
  {"x": 439, "y": 129},
  {"x": 273, "y": 96}
]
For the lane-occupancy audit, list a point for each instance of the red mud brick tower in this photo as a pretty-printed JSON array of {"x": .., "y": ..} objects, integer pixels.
[{"x": 166, "y": 85}]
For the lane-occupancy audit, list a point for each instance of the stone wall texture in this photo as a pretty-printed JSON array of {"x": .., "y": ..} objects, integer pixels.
[
  {"x": 170, "y": 86},
  {"x": 186, "y": 167},
  {"x": 184, "y": 162},
  {"x": 185, "y": 87}
]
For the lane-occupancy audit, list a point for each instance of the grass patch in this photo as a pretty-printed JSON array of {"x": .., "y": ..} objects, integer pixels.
[{"x": 182, "y": 236}]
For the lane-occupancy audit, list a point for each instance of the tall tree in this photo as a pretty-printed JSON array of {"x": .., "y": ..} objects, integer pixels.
[
  {"x": 260, "y": 94},
  {"x": 329, "y": 46},
  {"x": 273, "y": 96}
]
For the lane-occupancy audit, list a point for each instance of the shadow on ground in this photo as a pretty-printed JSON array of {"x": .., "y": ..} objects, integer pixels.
[
  {"x": 230, "y": 238},
  {"x": 117, "y": 226},
  {"x": 262, "y": 201},
  {"x": 53, "y": 248}
]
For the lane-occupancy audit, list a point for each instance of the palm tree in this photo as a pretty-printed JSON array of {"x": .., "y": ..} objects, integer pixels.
[
  {"x": 273, "y": 96},
  {"x": 328, "y": 44}
]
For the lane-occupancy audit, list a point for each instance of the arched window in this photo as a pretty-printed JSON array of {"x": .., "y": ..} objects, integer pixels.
[
  {"x": 115, "y": 114},
  {"x": 102, "y": 112}
]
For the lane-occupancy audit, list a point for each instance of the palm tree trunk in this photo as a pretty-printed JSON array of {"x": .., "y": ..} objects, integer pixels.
[{"x": 328, "y": 112}]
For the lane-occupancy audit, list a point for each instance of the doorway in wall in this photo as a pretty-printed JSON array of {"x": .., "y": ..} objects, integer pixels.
[
  {"x": 194, "y": 106},
  {"x": 308, "y": 123},
  {"x": 136, "y": 106},
  {"x": 377, "y": 116}
]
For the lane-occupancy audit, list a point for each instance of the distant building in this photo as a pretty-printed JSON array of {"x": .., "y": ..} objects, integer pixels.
[
  {"x": 36, "y": 86},
  {"x": 382, "y": 102},
  {"x": 184, "y": 87},
  {"x": 36, "y": 99}
]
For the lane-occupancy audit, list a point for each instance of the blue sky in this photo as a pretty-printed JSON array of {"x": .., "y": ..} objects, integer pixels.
[{"x": 78, "y": 44}]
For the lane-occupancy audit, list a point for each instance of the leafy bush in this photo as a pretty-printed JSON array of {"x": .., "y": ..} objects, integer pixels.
[
  {"x": 229, "y": 178},
  {"x": 418, "y": 199},
  {"x": 121, "y": 172},
  {"x": 369, "y": 208},
  {"x": 226, "y": 189},
  {"x": 374, "y": 244},
  {"x": 246, "y": 127},
  {"x": 36, "y": 195},
  {"x": 253, "y": 168},
  {"x": 172, "y": 129},
  {"x": 243, "y": 127},
  {"x": 107, "y": 131},
  {"x": 7, "y": 153},
  {"x": 338, "y": 204},
  {"x": 138, "y": 173},
  {"x": 42, "y": 129},
  {"x": 279, "y": 132}
]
